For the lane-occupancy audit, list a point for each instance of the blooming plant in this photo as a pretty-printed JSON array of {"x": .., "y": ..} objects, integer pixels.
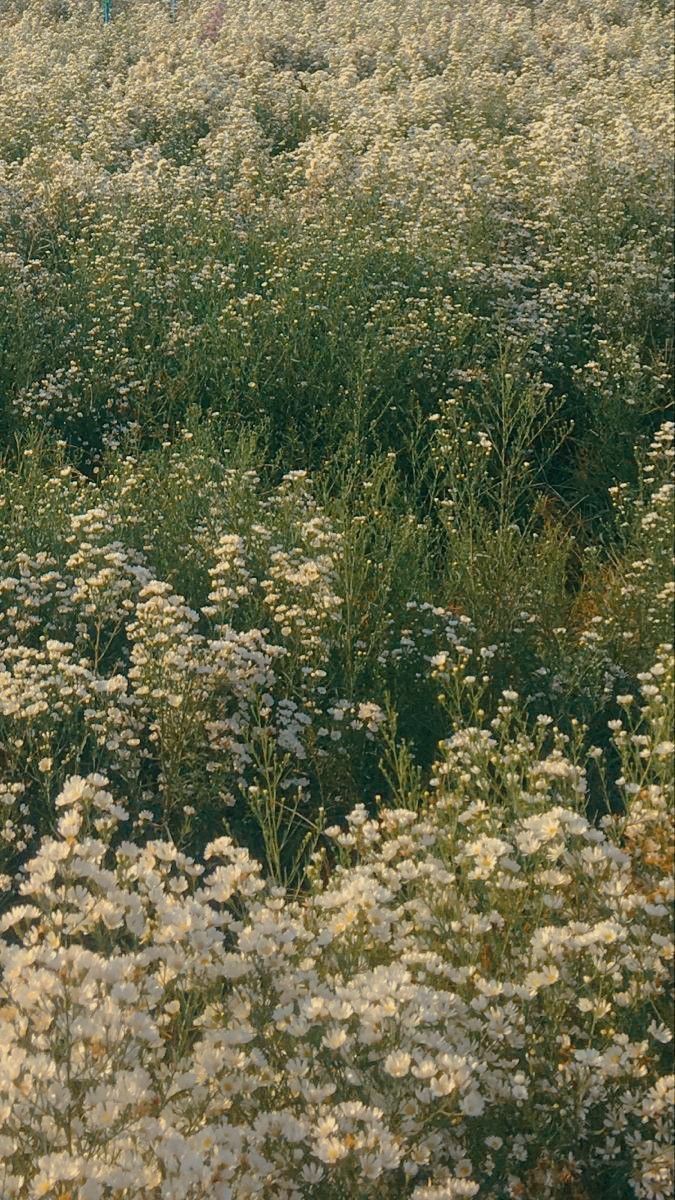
[
  {"x": 336, "y": 600},
  {"x": 474, "y": 1003}
]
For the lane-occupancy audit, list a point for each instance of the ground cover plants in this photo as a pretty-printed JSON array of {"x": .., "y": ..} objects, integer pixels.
[{"x": 336, "y": 600}]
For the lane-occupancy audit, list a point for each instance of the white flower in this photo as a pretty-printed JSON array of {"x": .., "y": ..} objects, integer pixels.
[
  {"x": 397, "y": 1064},
  {"x": 472, "y": 1104}
]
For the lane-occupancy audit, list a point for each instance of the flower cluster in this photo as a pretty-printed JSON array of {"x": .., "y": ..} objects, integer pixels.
[
  {"x": 228, "y": 698},
  {"x": 336, "y": 600},
  {"x": 475, "y": 1002},
  {"x": 252, "y": 200}
]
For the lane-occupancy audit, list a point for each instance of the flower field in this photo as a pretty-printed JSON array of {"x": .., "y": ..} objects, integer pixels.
[{"x": 336, "y": 600}]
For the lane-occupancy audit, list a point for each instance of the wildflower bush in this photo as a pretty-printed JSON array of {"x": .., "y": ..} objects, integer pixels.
[
  {"x": 336, "y": 600},
  {"x": 472, "y": 1003}
]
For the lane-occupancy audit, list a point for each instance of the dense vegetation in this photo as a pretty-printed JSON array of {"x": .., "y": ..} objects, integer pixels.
[{"x": 336, "y": 600}]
